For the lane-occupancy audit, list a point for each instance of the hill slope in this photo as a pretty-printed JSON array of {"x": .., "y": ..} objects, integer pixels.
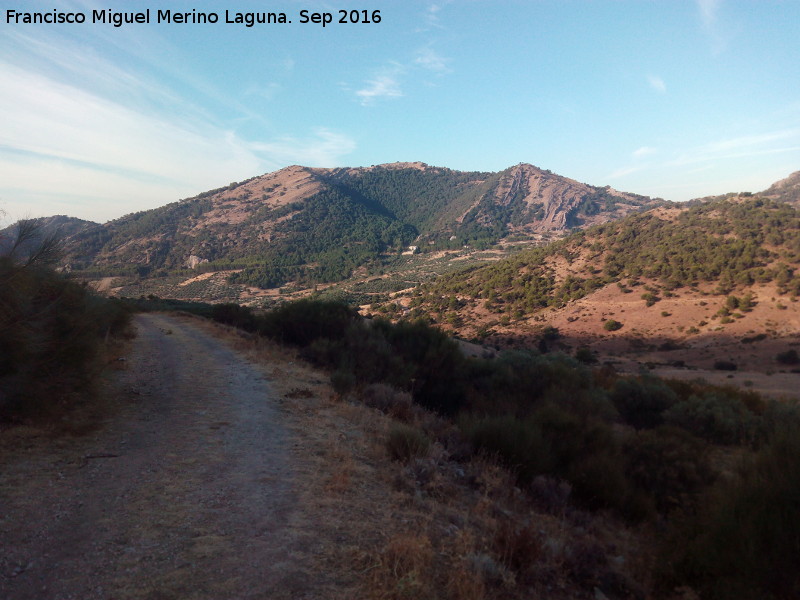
[
  {"x": 729, "y": 243},
  {"x": 318, "y": 225}
]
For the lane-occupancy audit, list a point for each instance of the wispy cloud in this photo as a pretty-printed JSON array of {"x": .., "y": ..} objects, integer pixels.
[
  {"x": 429, "y": 59},
  {"x": 112, "y": 149},
  {"x": 624, "y": 171},
  {"x": 775, "y": 142},
  {"x": 323, "y": 147},
  {"x": 430, "y": 18},
  {"x": 657, "y": 84},
  {"x": 380, "y": 87},
  {"x": 384, "y": 85},
  {"x": 643, "y": 152},
  {"x": 709, "y": 11}
]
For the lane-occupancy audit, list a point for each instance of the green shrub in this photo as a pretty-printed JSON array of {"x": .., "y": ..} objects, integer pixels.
[
  {"x": 670, "y": 465},
  {"x": 745, "y": 543},
  {"x": 406, "y": 442},
  {"x": 612, "y": 325},
  {"x": 301, "y": 322},
  {"x": 585, "y": 355},
  {"x": 519, "y": 444},
  {"x": 725, "y": 365},
  {"x": 789, "y": 357},
  {"x": 235, "y": 315},
  {"x": 641, "y": 402},
  {"x": 716, "y": 417},
  {"x": 52, "y": 330}
]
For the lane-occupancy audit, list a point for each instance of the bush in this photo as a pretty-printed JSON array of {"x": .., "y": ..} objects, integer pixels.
[
  {"x": 301, "y": 322},
  {"x": 790, "y": 357},
  {"x": 51, "y": 329},
  {"x": 641, "y": 402},
  {"x": 745, "y": 543},
  {"x": 668, "y": 464},
  {"x": 725, "y": 365},
  {"x": 716, "y": 417},
  {"x": 234, "y": 315},
  {"x": 612, "y": 325},
  {"x": 585, "y": 355},
  {"x": 520, "y": 445},
  {"x": 389, "y": 401},
  {"x": 406, "y": 442}
]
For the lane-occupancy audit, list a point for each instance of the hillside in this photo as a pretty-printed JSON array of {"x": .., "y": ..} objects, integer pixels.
[
  {"x": 709, "y": 279},
  {"x": 786, "y": 190},
  {"x": 319, "y": 225}
]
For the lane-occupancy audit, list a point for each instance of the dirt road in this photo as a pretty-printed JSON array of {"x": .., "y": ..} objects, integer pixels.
[{"x": 185, "y": 492}]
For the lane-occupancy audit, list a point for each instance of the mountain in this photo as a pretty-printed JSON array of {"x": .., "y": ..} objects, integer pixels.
[
  {"x": 718, "y": 281},
  {"x": 320, "y": 224},
  {"x": 785, "y": 190},
  {"x": 59, "y": 226}
]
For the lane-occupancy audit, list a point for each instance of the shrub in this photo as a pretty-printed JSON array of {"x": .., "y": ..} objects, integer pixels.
[
  {"x": 744, "y": 543},
  {"x": 303, "y": 321},
  {"x": 389, "y": 401},
  {"x": 434, "y": 362},
  {"x": 235, "y": 315},
  {"x": 716, "y": 417},
  {"x": 520, "y": 445},
  {"x": 789, "y": 357},
  {"x": 584, "y": 355},
  {"x": 550, "y": 333},
  {"x": 668, "y": 464},
  {"x": 725, "y": 365},
  {"x": 650, "y": 298},
  {"x": 51, "y": 329},
  {"x": 406, "y": 442},
  {"x": 612, "y": 325},
  {"x": 641, "y": 402}
]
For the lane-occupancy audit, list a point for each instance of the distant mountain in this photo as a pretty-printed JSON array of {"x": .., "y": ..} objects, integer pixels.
[
  {"x": 319, "y": 225},
  {"x": 785, "y": 190}
]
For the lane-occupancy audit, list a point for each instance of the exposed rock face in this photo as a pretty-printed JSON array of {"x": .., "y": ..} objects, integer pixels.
[
  {"x": 193, "y": 261},
  {"x": 786, "y": 190},
  {"x": 538, "y": 201}
]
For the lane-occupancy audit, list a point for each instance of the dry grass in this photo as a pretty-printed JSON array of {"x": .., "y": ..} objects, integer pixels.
[{"x": 432, "y": 527}]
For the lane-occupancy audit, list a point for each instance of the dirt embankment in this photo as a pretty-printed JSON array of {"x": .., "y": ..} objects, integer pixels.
[{"x": 186, "y": 491}]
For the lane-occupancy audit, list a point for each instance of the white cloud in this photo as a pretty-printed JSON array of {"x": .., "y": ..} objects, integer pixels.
[
  {"x": 709, "y": 10},
  {"x": 60, "y": 143},
  {"x": 386, "y": 85},
  {"x": 709, "y": 18},
  {"x": 323, "y": 148},
  {"x": 775, "y": 142},
  {"x": 431, "y": 14},
  {"x": 429, "y": 59},
  {"x": 657, "y": 83},
  {"x": 623, "y": 171},
  {"x": 643, "y": 152}
]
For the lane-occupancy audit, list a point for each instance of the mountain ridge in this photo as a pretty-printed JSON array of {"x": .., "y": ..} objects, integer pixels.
[{"x": 320, "y": 223}]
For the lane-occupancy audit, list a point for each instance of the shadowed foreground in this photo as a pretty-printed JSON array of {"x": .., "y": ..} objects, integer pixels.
[{"x": 186, "y": 492}]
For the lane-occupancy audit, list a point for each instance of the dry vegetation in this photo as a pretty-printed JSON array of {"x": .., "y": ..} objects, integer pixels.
[{"x": 423, "y": 525}]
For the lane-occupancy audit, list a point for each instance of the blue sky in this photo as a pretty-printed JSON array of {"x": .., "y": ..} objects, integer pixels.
[{"x": 677, "y": 99}]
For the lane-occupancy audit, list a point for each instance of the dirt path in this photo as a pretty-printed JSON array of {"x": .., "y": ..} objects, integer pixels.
[{"x": 186, "y": 492}]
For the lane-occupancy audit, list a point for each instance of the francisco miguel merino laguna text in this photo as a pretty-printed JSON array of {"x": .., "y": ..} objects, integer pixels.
[{"x": 193, "y": 17}]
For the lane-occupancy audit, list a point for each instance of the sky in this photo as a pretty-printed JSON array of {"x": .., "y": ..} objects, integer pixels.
[{"x": 675, "y": 99}]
